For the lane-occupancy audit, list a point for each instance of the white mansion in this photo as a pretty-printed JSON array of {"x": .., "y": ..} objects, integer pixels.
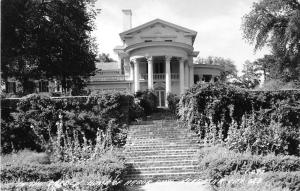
[{"x": 157, "y": 55}]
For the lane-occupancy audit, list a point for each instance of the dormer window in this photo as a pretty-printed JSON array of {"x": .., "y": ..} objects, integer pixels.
[
  {"x": 148, "y": 40},
  {"x": 168, "y": 41}
]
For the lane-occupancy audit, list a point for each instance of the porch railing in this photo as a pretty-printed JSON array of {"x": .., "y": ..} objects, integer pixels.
[
  {"x": 159, "y": 76},
  {"x": 109, "y": 78}
]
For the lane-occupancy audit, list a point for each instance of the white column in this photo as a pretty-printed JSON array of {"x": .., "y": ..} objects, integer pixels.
[
  {"x": 181, "y": 75},
  {"x": 186, "y": 75},
  {"x": 127, "y": 64},
  {"x": 131, "y": 71},
  {"x": 191, "y": 75},
  {"x": 136, "y": 76},
  {"x": 150, "y": 72},
  {"x": 168, "y": 78}
]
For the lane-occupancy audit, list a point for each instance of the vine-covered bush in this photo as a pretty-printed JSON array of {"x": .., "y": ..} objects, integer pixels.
[
  {"x": 32, "y": 123},
  {"x": 212, "y": 109},
  {"x": 266, "y": 131},
  {"x": 148, "y": 101},
  {"x": 173, "y": 101}
]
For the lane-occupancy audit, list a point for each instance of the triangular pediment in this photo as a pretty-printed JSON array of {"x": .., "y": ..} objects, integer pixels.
[{"x": 158, "y": 27}]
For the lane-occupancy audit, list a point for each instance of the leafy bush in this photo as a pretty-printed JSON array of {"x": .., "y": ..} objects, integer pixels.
[
  {"x": 33, "y": 122},
  {"x": 148, "y": 101},
  {"x": 212, "y": 109},
  {"x": 25, "y": 157},
  {"x": 109, "y": 165},
  {"x": 275, "y": 181},
  {"x": 173, "y": 101},
  {"x": 265, "y": 132},
  {"x": 290, "y": 180},
  {"x": 219, "y": 162}
]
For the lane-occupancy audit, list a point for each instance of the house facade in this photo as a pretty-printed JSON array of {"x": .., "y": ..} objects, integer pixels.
[{"x": 158, "y": 56}]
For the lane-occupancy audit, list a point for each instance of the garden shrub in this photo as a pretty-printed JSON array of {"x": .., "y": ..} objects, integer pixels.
[
  {"x": 173, "y": 101},
  {"x": 148, "y": 101},
  {"x": 266, "y": 131},
  {"x": 110, "y": 164},
  {"x": 211, "y": 109},
  {"x": 275, "y": 181},
  {"x": 25, "y": 157},
  {"x": 219, "y": 161},
  {"x": 34, "y": 120},
  {"x": 290, "y": 180}
]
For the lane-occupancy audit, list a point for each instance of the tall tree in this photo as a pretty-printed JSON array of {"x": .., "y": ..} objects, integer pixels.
[
  {"x": 105, "y": 58},
  {"x": 276, "y": 23},
  {"x": 48, "y": 38},
  {"x": 250, "y": 77},
  {"x": 230, "y": 70},
  {"x": 267, "y": 66}
]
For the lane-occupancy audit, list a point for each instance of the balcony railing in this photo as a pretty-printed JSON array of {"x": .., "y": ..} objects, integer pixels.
[
  {"x": 160, "y": 76},
  {"x": 109, "y": 78}
]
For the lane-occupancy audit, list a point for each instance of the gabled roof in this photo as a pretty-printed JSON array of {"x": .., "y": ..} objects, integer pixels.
[{"x": 192, "y": 32}]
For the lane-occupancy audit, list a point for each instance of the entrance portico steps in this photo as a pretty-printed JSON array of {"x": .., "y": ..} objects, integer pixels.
[{"x": 161, "y": 150}]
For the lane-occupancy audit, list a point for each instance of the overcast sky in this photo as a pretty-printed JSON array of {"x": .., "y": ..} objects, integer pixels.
[{"x": 217, "y": 22}]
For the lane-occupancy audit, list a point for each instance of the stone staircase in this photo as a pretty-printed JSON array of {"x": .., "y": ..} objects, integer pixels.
[{"x": 161, "y": 150}]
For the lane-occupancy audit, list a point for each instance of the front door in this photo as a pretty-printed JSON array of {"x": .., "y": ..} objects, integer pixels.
[{"x": 161, "y": 95}]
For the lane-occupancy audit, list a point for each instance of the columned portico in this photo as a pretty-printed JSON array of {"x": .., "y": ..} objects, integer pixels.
[{"x": 150, "y": 72}]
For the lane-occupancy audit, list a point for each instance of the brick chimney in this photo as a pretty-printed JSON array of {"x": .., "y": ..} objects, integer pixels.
[{"x": 127, "y": 19}]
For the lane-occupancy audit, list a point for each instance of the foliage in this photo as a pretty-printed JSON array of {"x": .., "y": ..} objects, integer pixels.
[
  {"x": 173, "y": 101},
  {"x": 218, "y": 162},
  {"x": 275, "y": 181},
  {"x": 25, "y": 157},
  {"x": 266, "y": 132},
  {"x": 279, "y": 85},
  {"x": 212, "y": 109},
  {"x": 105, "y": 58},
  {"x": 250, "y": 77},
  {"x": 230, "y": 70},
  {"x": 33, "y": 124},
  {"x": 290, "y": 180},
  {"x": 48, "y": 39},
  {"x": 275, "y": 23},
  {"x": 267, "y": 66},
  {"x": 148, "y": 101},
  {"x": 106, "y": 168}
]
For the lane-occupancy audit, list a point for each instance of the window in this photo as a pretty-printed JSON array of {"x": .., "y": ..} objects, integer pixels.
[
  {"x": 168, "y": 40},
  {"x": 207, "y": 78},
  {"x": 11, "y": 87},
  {"x": 43, "y": 86},
  {"x": 148, "y": 40}
]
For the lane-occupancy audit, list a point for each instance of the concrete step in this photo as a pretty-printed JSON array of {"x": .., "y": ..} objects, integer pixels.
[
  {"x": 161, "y": 153},
  {"x": 162, "y": 163},
  {"x": 161, "y": 147},
  {"x": 166, "y": 176},
  {"x": 160, "y": 158},
  {"x": 167, "y": 169}
]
